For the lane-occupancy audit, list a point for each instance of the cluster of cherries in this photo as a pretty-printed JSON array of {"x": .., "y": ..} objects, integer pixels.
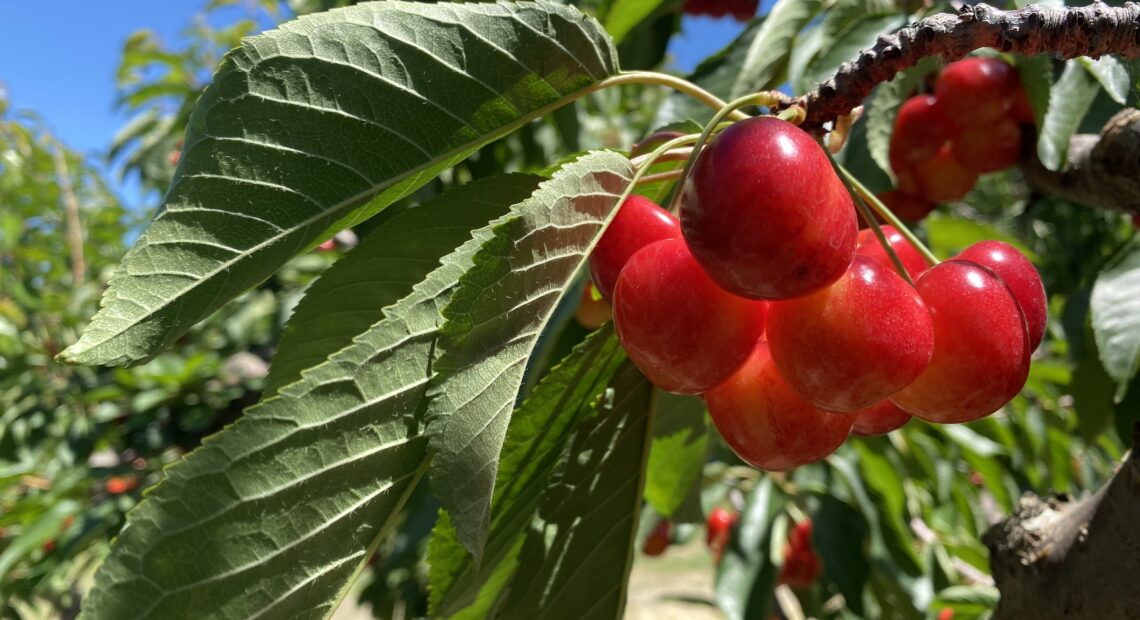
[
  {"x": 764, "y": 299},
  {"x": 740, "y": 10},
  {"x": 971, "y": 125},
  {"x": 802, "y": 565}
]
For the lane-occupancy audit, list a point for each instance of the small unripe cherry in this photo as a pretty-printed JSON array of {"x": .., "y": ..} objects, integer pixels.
[
  {"x": 592, "y": 313},
  {"x": 854, "y": 343},
  {"x": 921, "y": 128},
  {"x": 981, "y": 345},
  {"x": 639, "y": 222},
  {"x": 1020, "y": 276},
  {"x": 910, "y": 257},
  {"x": 684, "y": 332},
  {"x": 988, "y": 147},
  {"x": 766, "y": 423},
  {"x": 975, "y": 90},
  {"x": 765, "y": 214},
  {"x": 879, "y": 419}
]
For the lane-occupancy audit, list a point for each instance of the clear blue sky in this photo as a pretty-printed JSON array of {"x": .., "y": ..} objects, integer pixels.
[{"x": 58, "y": 58}]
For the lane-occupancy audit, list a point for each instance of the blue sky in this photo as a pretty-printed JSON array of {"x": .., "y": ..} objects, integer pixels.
[{"x": 58, "y": 58}]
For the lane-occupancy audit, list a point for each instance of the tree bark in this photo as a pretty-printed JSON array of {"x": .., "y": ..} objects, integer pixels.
[{"x": 1060, "y": 558}]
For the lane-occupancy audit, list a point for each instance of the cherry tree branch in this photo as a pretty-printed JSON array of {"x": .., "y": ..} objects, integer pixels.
[{"x": 1093, "y": 30}]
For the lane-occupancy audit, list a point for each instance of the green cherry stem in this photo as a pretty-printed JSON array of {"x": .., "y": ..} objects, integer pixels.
[
  {"x": 664, "y": 79},
  {"x": 886, "y": 214},
  {"x": 869, "y": 217}
]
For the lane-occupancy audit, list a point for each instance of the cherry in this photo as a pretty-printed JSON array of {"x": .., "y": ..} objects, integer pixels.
[
  {"x": 853, "y": 343},
  {"x": 658, "y": 540},
  {"x": 906, "y": 206},
  {"x": 1022, "y": 279},
  {"x": 947, "y": 613},
  {"x": 639, "y": 222},
  {"x": 741, "y": 10},
  {"x": 765, "y": 214},
  {"x": 981, "y": 345},
  {"x": 682, "y": 330},
  {"x": 766, "y": 423},
  {"x": 801, "y": 564},
  {"x": 591, "y": 312},
  {"x": 975, "y": 90},
  {"x": 921, "y": 128},
  {"x": 1022, "y": 109},
  {"x": 718, "y": 526},
  {"x": 988, "y": 147},
  {"x": 911, "y": 258},
  {"x": 879, "y": 419},
  {"x": 941, "y": 178}
]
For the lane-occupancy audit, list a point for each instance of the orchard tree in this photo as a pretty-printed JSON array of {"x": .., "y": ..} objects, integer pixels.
[{"x": 497, "y": 154}]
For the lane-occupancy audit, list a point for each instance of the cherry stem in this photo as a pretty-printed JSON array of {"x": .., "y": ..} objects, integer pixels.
[
  {"x": 869, "y": 217},
  {"x": 660, "y": 176},
  {"x": 730, "y": 109},
  {"x": 886, "y": 214},
  {"x": 664, "y": 79}
]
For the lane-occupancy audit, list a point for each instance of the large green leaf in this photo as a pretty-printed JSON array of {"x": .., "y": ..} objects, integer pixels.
[
  {"x": 320, "y": 124},
  {"x": 624, "y": 15},
  {"x": 839, "y": 534},
  {"x": 538, "y": 434},
  {"x": 765, "y": 64},
  {"x": 1069, "y": 100},
  {"x": 353, "y": 293},
  {"x": 579, "y": 549},
  {"x": 276, "y": 514},
  {"x": 1112, "y": 75},
  {"x": 677, "y": 458},
  {"x": 1115, "y": 307},
  {"x": 494, "y": 320}
]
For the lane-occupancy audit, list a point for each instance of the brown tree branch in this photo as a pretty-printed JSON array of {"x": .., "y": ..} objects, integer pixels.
[
  {"x": 1103, "y": 170},
  {"x": 1093, "y": 30},
  {"x": 1072, "y": 559}
]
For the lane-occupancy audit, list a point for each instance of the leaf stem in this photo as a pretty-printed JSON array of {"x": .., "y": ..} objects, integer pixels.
[
  {"x": 886, "y": 214},
  {"x": 664, "y": 79}
]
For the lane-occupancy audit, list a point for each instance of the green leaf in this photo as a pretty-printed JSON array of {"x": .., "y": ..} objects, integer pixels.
[
  {"x": 849, "y": 38},
  {"x": 320, "y": 124},
  {"x": 680, "y": 446},
  {"x": 886, "y": 483},
  {"x": 839, "y": 532},
  {"x": 884, "y": 105},
  {"x": 578, "y": 552},
  {"x": 276, "y": 514},
  {"x": 383, "y": 269},
  {"x": 950, "y": 234},
  {"x": 624, "y": 15},
  {"x": 538, "y": 434},
  {"x": 1036, "y": 73},
  {"x": 765, "y": 64},
  {"x": 1112, "y": 75},
  {"x": 1069, "y": 100},
  {"x": 1092, "y": 390},
  {"x": 746, "y": 575},
  {"x": 493, "y": 321},
  {"x": 1115, "y": 308}
]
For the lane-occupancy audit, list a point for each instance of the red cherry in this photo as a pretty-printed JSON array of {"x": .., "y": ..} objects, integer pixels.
[
  {"x": 327, "y": 245},
  {"x": 854, "y": 343},
  {"x": 942, "y": 178},
  {"x": 921, "y": 128},
  {"x": 718, "y": 525},
  {"x": 765, "y": 214},
  {"x": 801, "y": 564},
  {"x": 766, "y": 423},
  {"x": 911, "y": 258},
  {"x": 658, "y": 540},
  {"x": 1020, "y": 276},
  {"x": 1022, "y": 109},
  {"x": 946, "y": 614},
  {"x": 682, "y": 330},
  {"x": 117, "y": 485},
  {"x": 981, "y": 346},
  {"x": 638, "y": 222},
  {"x": 744, "y": 10},
  {"x": 975, "y": 90},
  {"x": 988, "y": 147},
  {"x": 906, "y": 206},
  {"x": 879, "y": 419}
]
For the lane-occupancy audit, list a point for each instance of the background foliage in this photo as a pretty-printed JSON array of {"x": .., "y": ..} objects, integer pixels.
[{"x": 898, "y": 519}]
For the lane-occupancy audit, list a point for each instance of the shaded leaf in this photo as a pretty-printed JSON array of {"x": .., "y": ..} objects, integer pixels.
[
  {"x": 1092, "y": 390},
  {"x": 1069, "y": 100},
  {"x": 746, "y": 575},
  {"x": 494, "y": 320},
  {"x": 274, "y": 515},
  {"x": 849, "y": 39},
  {"x": 536, "y": 438},
  {"x": 839, "y": 533},
  {"x": 384, "y": 268},
  {"x": 624, "y": 15},
  {"x": 320, "y": 124},
  {"x": 1115, "y": 309},
  {"x": 1036, "y": 75},
  {"x": 765, "y": 64},
  {"x": 676, "y": 460}
]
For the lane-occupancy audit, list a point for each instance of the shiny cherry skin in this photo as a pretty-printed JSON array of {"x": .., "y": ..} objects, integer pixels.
[
  {"x": 1020, "y": 276},
  {"x": 765, "y": 214},
  {"x": 981, "y": 346},
  {"x": 684, "y": 332},
  {"x": 911, "y": 258},
  {"x": 988, "y": 147},
  {"x": 976, "y": 90},
  {"x": 854, "y": 343},
  {"x": 638, "y": 222},
  {"x": 879, "y": 419},
  {"x": 921, "y": 128},
  {"x": 766, "y": 423}
]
